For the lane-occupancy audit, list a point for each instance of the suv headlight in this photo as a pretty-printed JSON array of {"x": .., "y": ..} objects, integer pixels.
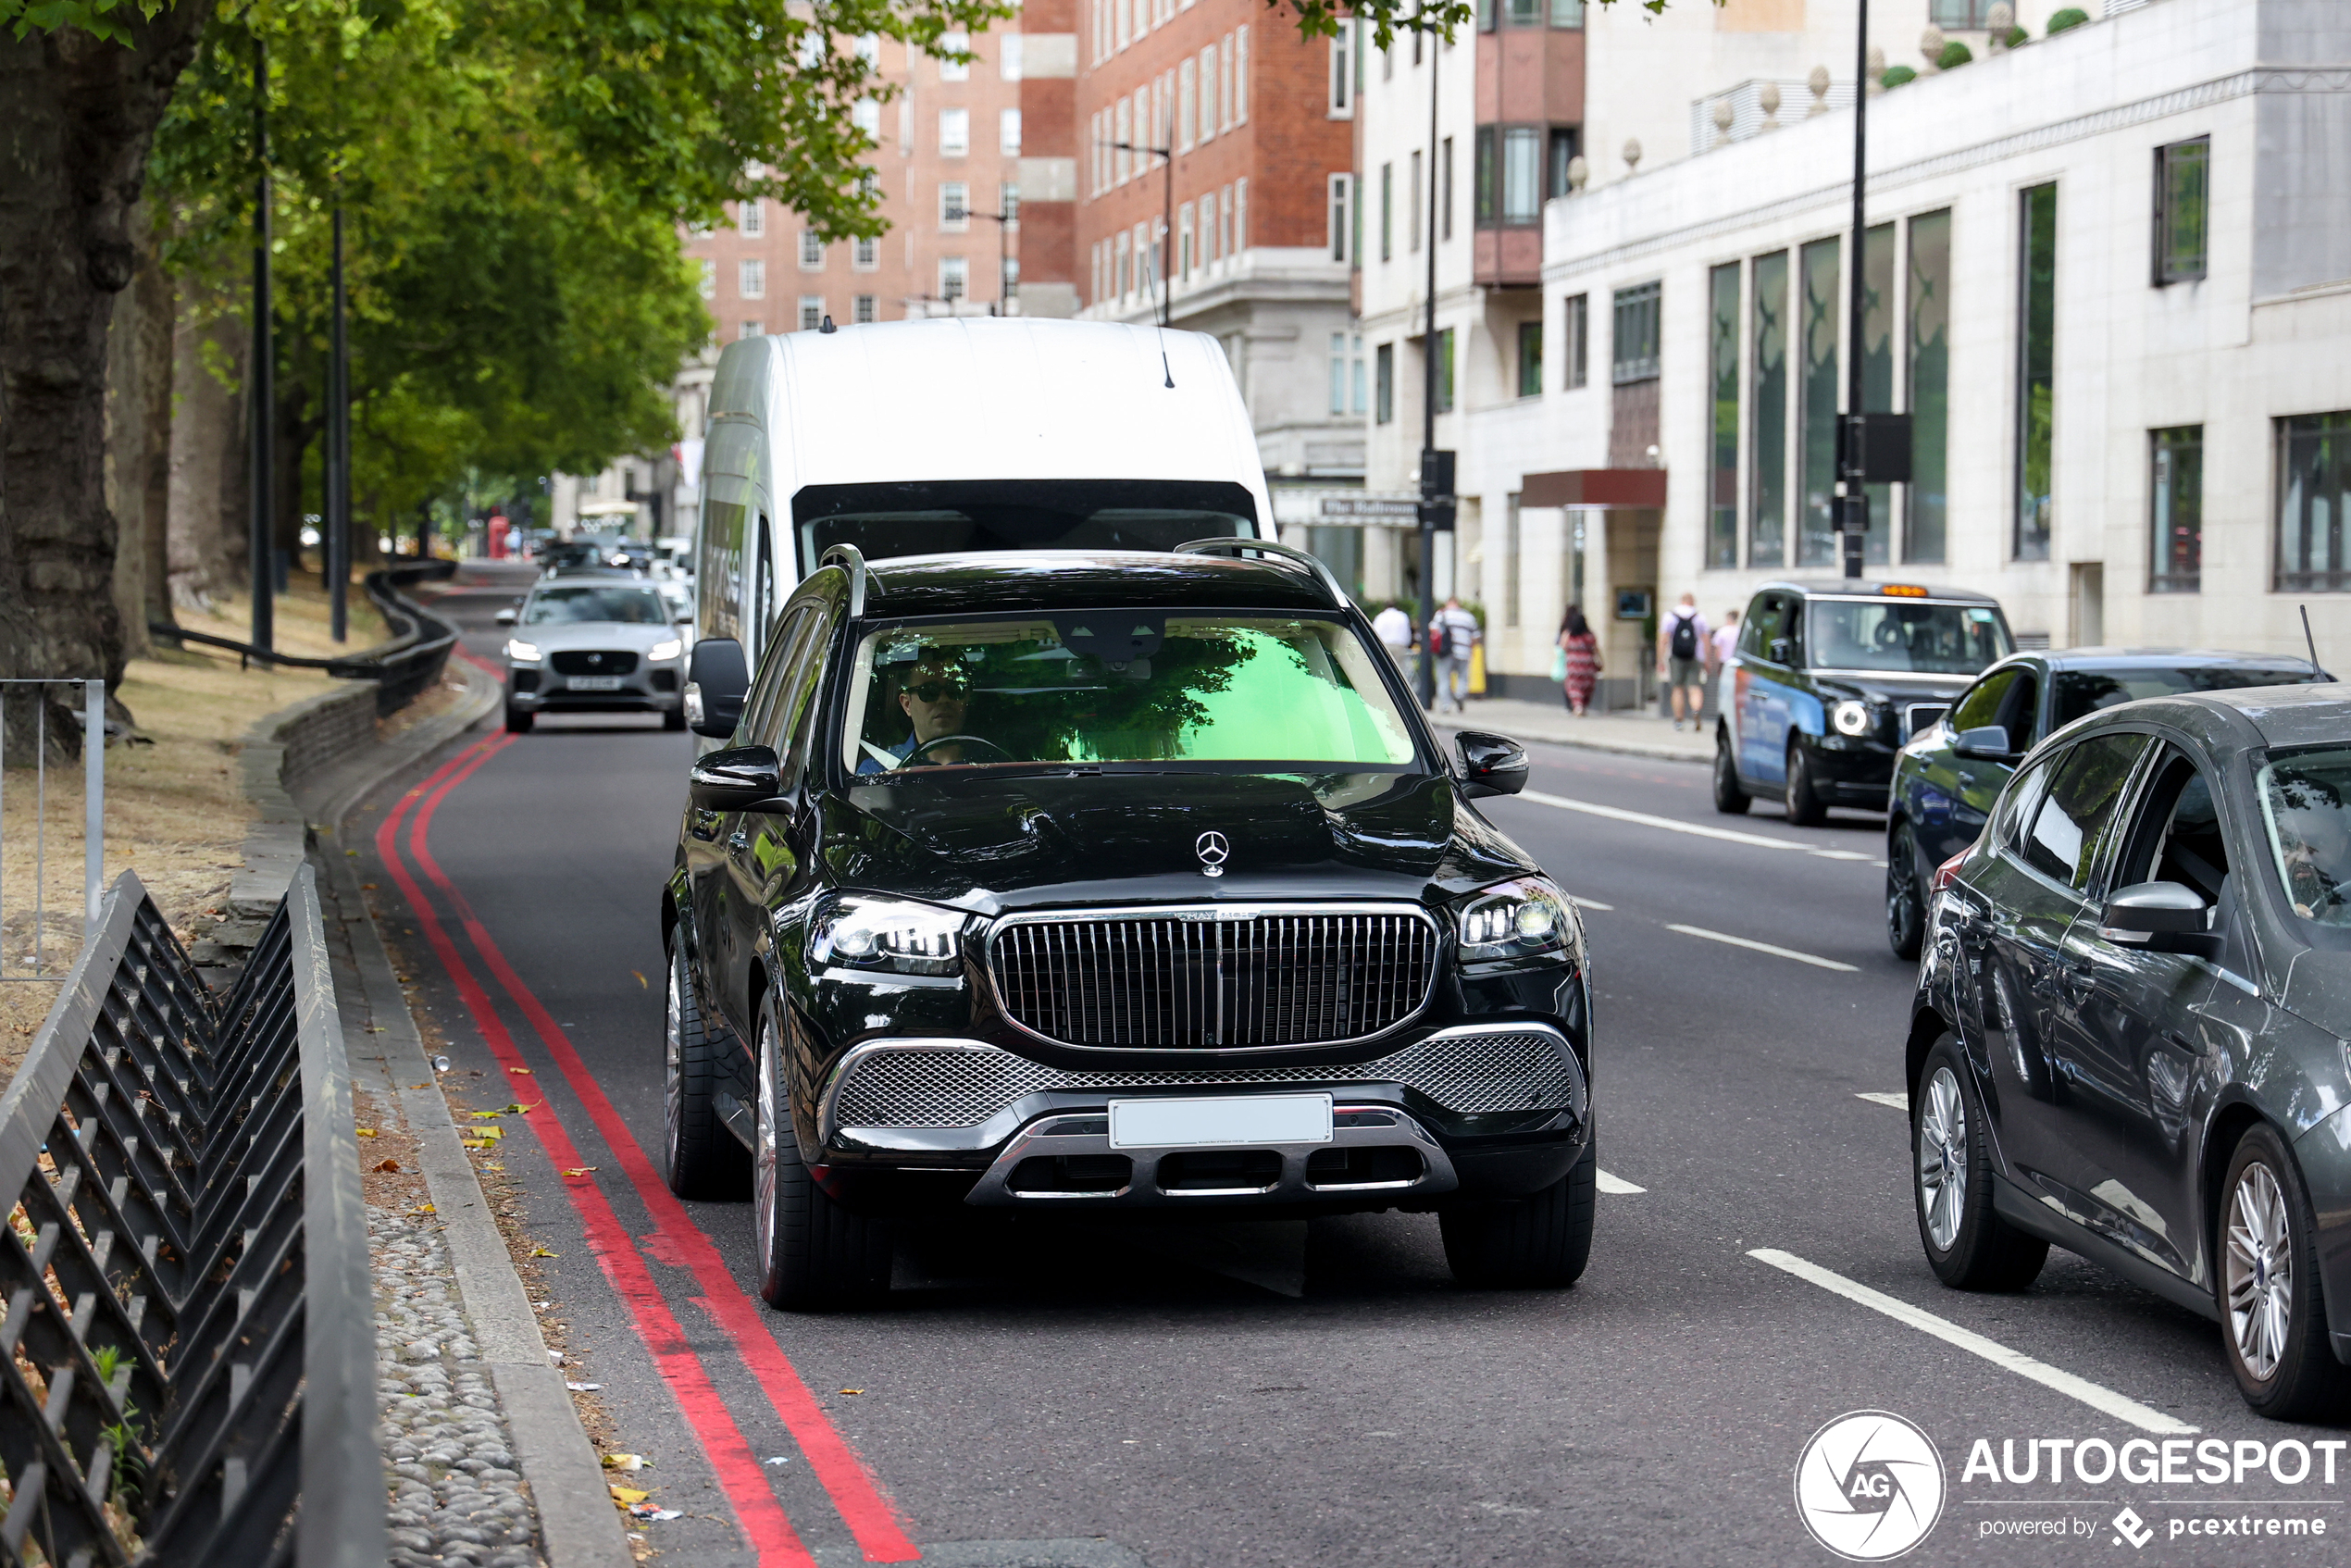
[
  {"x": 668, "y": 650},
  {"x": 1524, "y": 918},
  {"x": 1851, "y": 718},
  {"x": 857, "y": 932},
  {"x": 522, "y": 652}
]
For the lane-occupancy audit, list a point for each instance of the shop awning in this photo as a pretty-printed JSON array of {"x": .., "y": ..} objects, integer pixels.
[{"x": 1594, "y": 487}]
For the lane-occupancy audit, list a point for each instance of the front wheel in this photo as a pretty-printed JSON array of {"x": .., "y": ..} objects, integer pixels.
[
  {"x": 2273, "y": 1310},
  {"x": 703, "y": 1159},
  {"x": 1540, "y": 1241},
  {"x": 1804, "y": 808},
  {"x": 1729, "y": 798},
  {"x": 814, "y": 1255},
  {"x": 1968, "y": 1244},
  {"x": 518, "y": 720},
  {"x": 673, "y": 718},
  {"x": 1904, "y": 902}
]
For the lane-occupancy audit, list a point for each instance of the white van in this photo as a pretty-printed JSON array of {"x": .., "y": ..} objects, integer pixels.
[{"x": 911, "y": 438}]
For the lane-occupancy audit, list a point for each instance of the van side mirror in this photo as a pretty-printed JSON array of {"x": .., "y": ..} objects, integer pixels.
[
  {"x": 2158, "y": 917},
  {"x": 717, "y": 679},
  {"x": 1989, "y": 741},
  {"x": 506, "y": 617},
  {"x": 1491, "y": 765}
]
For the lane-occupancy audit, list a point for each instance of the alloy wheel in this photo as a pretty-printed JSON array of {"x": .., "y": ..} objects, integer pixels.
[
  {"x": 763, "y": 1155},
  {"x": 1942, "y": 1156},
  {"x": 2261, "y": 1271},
  {"x": 673, "y": 1064},
  {"x": 1905, "y": 914}
]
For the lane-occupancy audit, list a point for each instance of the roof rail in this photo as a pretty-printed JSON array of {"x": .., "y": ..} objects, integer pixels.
[
  {"x": 852, "y": 561},
  {"x": 1285, "y": 553}
]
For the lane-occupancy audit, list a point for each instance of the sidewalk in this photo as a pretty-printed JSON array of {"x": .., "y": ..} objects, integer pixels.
[{"x": 1641, "y": 734}]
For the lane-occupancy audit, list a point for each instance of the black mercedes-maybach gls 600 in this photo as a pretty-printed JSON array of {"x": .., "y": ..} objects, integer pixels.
[{"x": 1107, "y": 882}]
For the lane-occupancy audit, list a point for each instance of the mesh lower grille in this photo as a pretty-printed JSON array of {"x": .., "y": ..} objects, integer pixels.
[{"x": 949, "y": 1087}]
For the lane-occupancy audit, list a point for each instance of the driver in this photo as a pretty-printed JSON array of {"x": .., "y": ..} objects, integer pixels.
[
  {"x": 2316, "y": 847},
  {"x": 934, "y": 695}
]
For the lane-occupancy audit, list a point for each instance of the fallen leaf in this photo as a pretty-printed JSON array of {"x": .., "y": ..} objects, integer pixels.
[
  {"x": 516, "y": 1109},
  {"x": 627, "y": 1497},
  {"x": 519, "y": 1072},
  {"x": 420, "y": 1085},
  {"x": 488, "y": 1166},
  {"x": 542, "y": 1252},
  {"x": 388, "y": 1165},
  {"x": 369, "y": 886},
  {"x": 579, "y": 1170},
  {"x": 640, "y": 979},
  {"x": 853, "y": 1390},
  {"x": 365, "y": 1132},
  {"x": 623, "y": 1461},
  {"x": 424, "y": 1209},
  {"x": 486, "y": 1115}
]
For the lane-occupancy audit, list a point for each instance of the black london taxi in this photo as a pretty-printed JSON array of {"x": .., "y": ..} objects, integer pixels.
[
  {"x": 1831, "y": 678},
  {"x": 1104, "y": 883}
]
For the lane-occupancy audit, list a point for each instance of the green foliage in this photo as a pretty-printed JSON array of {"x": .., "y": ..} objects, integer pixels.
[
  {"x": 2015, "y": 38},
  {"x": 1896, "y": 75},
  {"x": 101, "y": 18},
  {"x": 2072, "y": 15},
  {"x": 1955, "y": 55}
]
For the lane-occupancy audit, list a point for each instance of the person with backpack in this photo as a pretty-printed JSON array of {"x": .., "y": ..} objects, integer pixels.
[
  {"x": 1452, "y": 635},
  {"x": 1681, "y": 659}
]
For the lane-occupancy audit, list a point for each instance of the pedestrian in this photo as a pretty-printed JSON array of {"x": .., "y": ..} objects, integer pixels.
[
  {"x": 1681, "y": 659},
  {"x": 1580, "y": 652},
  {"x": 1394, "y": 629},
  {"x": 1450, "y": 637},
  {"x": 1726, "y": 640}
]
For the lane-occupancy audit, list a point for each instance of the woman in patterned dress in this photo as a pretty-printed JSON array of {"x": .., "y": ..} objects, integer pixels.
[{"x": 1581, "y": 646}]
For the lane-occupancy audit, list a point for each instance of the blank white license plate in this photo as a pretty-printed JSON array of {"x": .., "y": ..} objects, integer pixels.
[
  {"x": 595, "y": 684},
  {"x": 1273, "y": 1118}
]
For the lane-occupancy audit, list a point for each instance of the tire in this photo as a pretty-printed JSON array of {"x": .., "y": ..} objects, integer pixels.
[
  {"x": 2273, "y": 1319},
  {"x": 518, "y": 721},
  {"x": 1904, "y": 899},
  {"x": 1804, "y": 806},
  {"x": 1968, "y": 1244},
  {"x": 701, "y": 1158},
  {"x": 1537, "y": 1242},
  {"x": 812, "y": 1254},
  {"x": 673, "y": 719},
  {"x": 1729, "y": 798}
]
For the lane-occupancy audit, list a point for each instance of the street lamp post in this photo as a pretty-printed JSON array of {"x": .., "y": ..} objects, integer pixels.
[
  {"x": 1003, "y": 217},
  {"x": 1167, "y": 229},
  {"x": 337, "y": 476},
  {"x": 1853, "y": 522},
  {"x": 1436, "y": 487},
  {"x": 261, "y": 396}
]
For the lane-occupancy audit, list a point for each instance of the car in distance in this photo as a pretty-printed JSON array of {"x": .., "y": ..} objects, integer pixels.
[
  {"x": 2128, "y": 1035},
  {"x": 1090, "y": 883},
  {"x": 593, "y": 644},
  {"x": 1947, "y": 777},
  {"x": 1829, "y": 679}
]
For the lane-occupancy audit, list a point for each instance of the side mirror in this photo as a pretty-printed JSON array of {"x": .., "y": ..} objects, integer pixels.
[
  {"x": 2158, "y": 917},
  {"x": 1491, "y": 765},
  {"x": 1778, "y": 649},
  {"x": 1989, "y": 741},
  {"x": 507, "y": 617},
  {"x": 730, "y": 780},
  {"x": 717, "y": 679}
]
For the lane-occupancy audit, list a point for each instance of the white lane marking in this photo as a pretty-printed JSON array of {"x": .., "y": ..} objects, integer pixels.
[
  {"x": 1900, "y": 1102},
  {"x": 1728, "y": 835},
  {"x": 1843, "y": 854},
  {"x": 1589, "y": 903},
  {"x": 2099, "y": 1399},
  {"x": 1765, "y": 947},
  {"x": 1608, "y": 1183}
]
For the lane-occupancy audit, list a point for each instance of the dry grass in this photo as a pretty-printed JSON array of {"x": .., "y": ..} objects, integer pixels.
[{"x": 175, "y": 810}]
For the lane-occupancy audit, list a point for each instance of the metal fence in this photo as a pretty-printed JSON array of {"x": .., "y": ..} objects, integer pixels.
[
  {"x": 187, "y": 1353},
  {"x": 38, "y": 961},
  {"x": 409, "y": 663}
]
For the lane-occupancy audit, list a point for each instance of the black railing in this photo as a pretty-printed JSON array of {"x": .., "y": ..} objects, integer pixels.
[
  {"x": 405, "y": 666},
  {"x": 188, "y": 1347}
]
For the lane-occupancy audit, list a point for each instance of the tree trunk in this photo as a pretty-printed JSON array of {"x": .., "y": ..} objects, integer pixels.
[
  {"x": 77, "y": 117},
  {"x": 210, "y": 479},
  {"x": 139, "y": 436},
  {"x": 288, "y": 505}
]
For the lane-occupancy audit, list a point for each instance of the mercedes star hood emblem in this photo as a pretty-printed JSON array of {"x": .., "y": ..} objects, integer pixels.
[{"x": 1214, "y": 853}]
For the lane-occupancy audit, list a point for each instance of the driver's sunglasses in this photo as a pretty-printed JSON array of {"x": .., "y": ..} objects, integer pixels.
[{"x": 932, "y": 690}]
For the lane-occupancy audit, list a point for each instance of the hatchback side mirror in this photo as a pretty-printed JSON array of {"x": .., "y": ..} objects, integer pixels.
[
  {"x": 717, "y": 679},
  {"x": 505, "y": 617},
  {"x": 1491, "y": 765},
  {"x": 2158, "y": 917},
  {"x": 1989, "y": 741},
  {"x": 734, "y": 779}
]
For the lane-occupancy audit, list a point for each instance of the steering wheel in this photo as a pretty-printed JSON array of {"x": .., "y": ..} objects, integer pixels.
[
  {"x": 914, "y": 756},
  {"x": 1888, "y": 633}
]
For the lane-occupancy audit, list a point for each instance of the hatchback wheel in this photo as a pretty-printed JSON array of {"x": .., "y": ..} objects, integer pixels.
[
  {"x": 704, "y": 1160},
  {"x": 814, "y": 1255},
  {"x": 1805, "y": 807},
  {"x": 1905, "y": 902},
  {"x": 2273, "y": 1313},
  {"x": 1968, "y": 1245},
  {"x": 1729, "y": 798}
]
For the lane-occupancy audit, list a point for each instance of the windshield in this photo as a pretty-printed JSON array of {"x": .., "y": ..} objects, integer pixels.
[
  {"x": 2306, "y": 804},
  {"x": 1121, "y": 686},
  {"x": 2085, "y": 692},
  {"x": 1904, "y": 634},
  {"x": 560, "y": 606},
  {"x": 949, "y": 517}
]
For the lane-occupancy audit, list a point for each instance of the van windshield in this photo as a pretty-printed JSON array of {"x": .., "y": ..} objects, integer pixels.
[{"x": 947, "y": 516}]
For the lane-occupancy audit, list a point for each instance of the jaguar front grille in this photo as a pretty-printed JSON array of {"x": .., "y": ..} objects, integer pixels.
[
  {"x": 1225, "y": 979},
  {"x": 583, "y": 661}
]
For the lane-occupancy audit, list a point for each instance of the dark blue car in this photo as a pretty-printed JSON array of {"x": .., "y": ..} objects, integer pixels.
[{"x": 1945, "y": 778}]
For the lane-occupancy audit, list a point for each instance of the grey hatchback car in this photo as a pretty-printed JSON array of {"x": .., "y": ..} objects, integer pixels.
[{"x": 2128, "y": 1034}]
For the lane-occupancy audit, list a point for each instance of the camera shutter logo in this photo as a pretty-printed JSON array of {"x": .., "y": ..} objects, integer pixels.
[
  {"x": 1214, "y": 853},
  {"x": 1870, "y": 1486}
]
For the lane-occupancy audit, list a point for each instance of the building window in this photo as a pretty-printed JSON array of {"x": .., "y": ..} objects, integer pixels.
[
  {"x": 1187, "y": 104},
  {"x": 1121, "y": 123},
  {"x": 955, "y": 133},
  {"x": 1567, "y": 14},
  {"x": 1817, "y": 403},
  {"x": 2176, "y": 490},
  {"x": 1122, "y": 269},
  {"x": 865, "y": 114},
  {"x": 1342, "y": 96},
  {"x": 1510, "y": 559},
  {"x": 1207, "y": 94},
  {"x": 1576, "y": 338},
  {"x": 1561, "y": 147},
  {"x": 751, "y": 279},
  {"x": 954, "y": 278},
  {"x": 2314, "y": 488},
  {"x": 1236, "y": 209},
  {"x": 709, "y": 279},
  {"x": 954, "y": 207},
  {"x": 1388, "y": 212},
  {"x": 1634, "y": 345},
  {"x": 1342, "y": 225},
  {"x": 2183, "y": 196},
  {"x": 2036, "y": 380},
  {"x": 1008, "y": 132},
  {"x": 1008, "y": 57},
  {"x": 1412, "y": 208},
  {"x": 1011, "y": 287},
  {"x": 812, "y": 251},
  {"x": 1521, "y": 174},
  {"x": 1964, "y": 15},
  {"x": 1929, "y": 355},
  {"x": 1338, "y": 373},
  {"x": 1358, "y": 402},
  {"x": 1767, "y": 440},
  {"x": 1225, "y": 73},
  {"x": 1530, "y": 358},
  {"x": 1722, "y": 410},
  {"x": 751, "y": 329},
  {"x": 1008, "y": 202},
  {"x": 1444, "y": 371},
  {"x": 1341, "y": 550},
  {"x": 1184, "y": 244},
  {"x": 753, "y": 219},
  {"x": 861, "y": 310},
  {"x": 1877, "y": 375},
  {"x": 1240, "y": 77},
  {"x": 865, "y": 253},
  {"x": 1384, "y": 384},
  {"x": 812, "y": 312},
  {"x": 1445, "y": 187},
  {"x": 954, "y": 44}
]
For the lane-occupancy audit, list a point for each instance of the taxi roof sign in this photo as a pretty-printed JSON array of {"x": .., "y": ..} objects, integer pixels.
[{"x": 1903, "y": 590}]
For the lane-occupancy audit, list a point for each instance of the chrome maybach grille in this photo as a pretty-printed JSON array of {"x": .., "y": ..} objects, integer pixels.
[
  {"x": 1223, "y": 978},
  {"x": 912, "y": 1086}
]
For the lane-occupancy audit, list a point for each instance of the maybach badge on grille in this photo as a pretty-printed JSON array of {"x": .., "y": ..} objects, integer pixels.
[{"x": 1214, "y": 853}]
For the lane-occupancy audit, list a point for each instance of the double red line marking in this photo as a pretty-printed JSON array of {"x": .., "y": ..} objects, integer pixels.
[{"x": 872, "y": 1518}]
